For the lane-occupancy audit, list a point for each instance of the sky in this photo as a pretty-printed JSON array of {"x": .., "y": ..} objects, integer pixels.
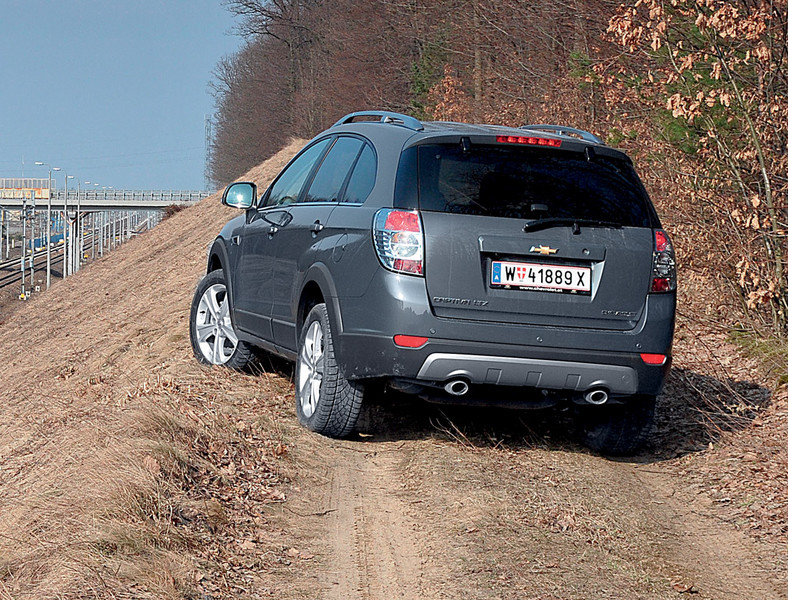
[{"x": 114, "y": 92}]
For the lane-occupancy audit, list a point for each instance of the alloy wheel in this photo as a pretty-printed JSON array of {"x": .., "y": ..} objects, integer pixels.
[
  {"x": 310, "y": 369},
  {"x": 216, "y": 338}
]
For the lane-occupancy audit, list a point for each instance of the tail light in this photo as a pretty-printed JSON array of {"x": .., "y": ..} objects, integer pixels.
[
  {"x": 663, "y": 272},
  {"x": 399, "y": 241}
]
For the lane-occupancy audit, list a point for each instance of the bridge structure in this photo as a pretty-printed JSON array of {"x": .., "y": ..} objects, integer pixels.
[
  {"x": 53, "y": 220},
  {"x": 98, "y": 200}
]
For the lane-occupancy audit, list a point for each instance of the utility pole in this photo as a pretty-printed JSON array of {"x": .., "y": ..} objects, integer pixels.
[
  {"x": 78, "y": 241},
  {"x": 23, "y": 295},
  {"x": 66, "y": 232},
  {"x": 49, "y": 220},
  {"x": 32, "y": 239},
  {"x": 49, "y": 231}
]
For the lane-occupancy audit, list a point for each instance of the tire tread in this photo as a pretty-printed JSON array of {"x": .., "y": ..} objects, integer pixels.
[{"x": 340, "y": 400}]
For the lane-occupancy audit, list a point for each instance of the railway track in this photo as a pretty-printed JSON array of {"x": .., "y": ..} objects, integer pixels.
[{"x": 10, "y": 271}]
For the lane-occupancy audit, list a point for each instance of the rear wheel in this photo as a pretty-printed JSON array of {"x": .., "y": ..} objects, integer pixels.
[
  {"x": 617, "y": 429},
  {"x": 326, "y": 402},
  {"x": 213, "y": 338}
]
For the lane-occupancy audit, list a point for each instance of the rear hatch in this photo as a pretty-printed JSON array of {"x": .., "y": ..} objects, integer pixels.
[{"x": 535, "y": 235}]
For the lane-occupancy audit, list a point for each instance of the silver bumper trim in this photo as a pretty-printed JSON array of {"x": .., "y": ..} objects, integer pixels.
[{"x": 530, "y": 372}]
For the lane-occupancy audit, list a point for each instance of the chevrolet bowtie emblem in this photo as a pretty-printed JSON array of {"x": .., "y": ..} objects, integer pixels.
[{"x": 543, "y": 250}]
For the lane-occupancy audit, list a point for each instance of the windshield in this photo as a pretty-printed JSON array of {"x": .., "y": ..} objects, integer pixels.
[{"x": 531, "y": 184}]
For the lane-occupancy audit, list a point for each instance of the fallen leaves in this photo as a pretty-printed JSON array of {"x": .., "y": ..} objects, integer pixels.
[
  {"x": 296, "y": 553},
  {"x": 683, "y": 587}
]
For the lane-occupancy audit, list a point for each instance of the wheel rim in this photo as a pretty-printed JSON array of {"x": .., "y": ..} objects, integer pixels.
[
  {"x": 215, "y": 335},
  {"x": 310, "y": 369}
]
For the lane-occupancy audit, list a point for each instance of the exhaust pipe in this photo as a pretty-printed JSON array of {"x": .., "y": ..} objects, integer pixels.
[
  {"x": 457, "y": 387},
  {"x": 596, "y": 396}
]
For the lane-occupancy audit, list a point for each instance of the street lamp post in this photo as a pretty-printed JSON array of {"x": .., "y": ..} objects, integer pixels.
[
  {"x": 78, "y": 241},
  {"x": 49, "y": 221},
  {"x": 100, "y": 238},
  {"x": 66, "y": 231},
  {"x": 80, "y": 234},
  {"x": 101, "y": 234},
  {"x": 32, "y": 239},
  {"x": 72, "y": 267},
  {"x": 23, "y": 295}
]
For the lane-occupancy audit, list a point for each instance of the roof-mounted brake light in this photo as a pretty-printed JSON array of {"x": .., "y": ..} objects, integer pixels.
[{"x": 528, "y": 140}]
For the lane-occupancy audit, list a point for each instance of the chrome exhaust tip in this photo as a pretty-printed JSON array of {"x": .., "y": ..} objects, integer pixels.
[
  {"x": 457, "y": 387},
  {"x": 596, "y": 396}
]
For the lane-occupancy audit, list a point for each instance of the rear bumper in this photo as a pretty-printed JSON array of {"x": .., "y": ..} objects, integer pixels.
[
  {"x": 571, "y": 359},
  {"x": 440, "y": 361}
]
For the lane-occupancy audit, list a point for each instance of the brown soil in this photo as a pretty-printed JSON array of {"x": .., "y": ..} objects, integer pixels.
[
  {"x": 129, "y": 471},
  {"x": 429, "y": 503}
]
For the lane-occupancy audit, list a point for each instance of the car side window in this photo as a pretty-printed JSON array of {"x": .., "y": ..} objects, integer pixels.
[
  {"x": 332, "y": 173},
  {"x": 362, "y": 180},
  {"x": 286, "y": 189}
]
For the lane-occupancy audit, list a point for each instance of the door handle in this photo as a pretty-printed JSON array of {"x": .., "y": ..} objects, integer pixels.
[{"x": 316, "y": 227}]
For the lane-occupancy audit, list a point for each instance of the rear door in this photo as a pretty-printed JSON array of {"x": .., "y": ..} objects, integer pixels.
[{"x": 534, "y": 235}]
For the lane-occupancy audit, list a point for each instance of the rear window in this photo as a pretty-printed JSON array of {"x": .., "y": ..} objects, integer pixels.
[{"x": 530, "y": 183}]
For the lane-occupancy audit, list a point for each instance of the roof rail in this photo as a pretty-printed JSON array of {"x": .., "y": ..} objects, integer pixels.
[
  {"x": 383, "y": 117},
  {"x": 565, "y": 131}
]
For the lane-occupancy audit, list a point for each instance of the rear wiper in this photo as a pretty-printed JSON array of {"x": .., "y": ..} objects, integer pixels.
[{"x": 563, "y": 221}]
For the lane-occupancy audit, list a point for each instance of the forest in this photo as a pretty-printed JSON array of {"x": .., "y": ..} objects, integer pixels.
[{"x": 693, "y": 90}]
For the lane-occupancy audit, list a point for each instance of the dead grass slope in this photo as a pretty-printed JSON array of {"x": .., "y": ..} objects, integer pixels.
[{"x": 119, "y": 456}]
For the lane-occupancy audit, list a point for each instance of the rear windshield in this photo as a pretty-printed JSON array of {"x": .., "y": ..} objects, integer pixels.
[{"x": 530, "y": 183}]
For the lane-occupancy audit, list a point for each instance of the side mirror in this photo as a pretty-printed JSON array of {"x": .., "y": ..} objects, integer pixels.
[{"x": 240, "y": 195}]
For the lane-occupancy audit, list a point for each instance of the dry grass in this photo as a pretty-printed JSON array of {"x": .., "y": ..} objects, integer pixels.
[{"x": 111, "y": 436}]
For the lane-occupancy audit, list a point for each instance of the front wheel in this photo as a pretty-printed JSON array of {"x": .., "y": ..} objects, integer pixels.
[
  {"x": 617, "y": 429},
  {"x": 326, "y": 402},
  {"x": 213, "y": 338}
]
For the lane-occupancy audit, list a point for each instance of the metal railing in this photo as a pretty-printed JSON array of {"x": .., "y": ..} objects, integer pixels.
[
  {"x": 171, "y": 196},
  {"x": 111, "y": 199}
]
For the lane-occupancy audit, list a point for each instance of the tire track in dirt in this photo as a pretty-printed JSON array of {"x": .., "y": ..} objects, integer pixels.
[
  {"x": 372, "y": 539},
  {"x": 425, "y": 517}
]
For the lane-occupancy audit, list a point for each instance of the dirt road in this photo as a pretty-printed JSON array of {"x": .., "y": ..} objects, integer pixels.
[{"x": 412, "y": 508}]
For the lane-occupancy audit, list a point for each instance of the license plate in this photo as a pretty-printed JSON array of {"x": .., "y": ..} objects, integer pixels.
[{"x": 542, "y": 277}]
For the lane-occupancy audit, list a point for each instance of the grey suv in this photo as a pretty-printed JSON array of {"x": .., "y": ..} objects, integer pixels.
[{"x": 465, "y": 263}]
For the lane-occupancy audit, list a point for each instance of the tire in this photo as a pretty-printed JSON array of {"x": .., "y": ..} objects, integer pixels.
[
  {"x": 214, "y": 341},
  {"x": 326, "y": 402},
  {"x": 617, "y": 429}
]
